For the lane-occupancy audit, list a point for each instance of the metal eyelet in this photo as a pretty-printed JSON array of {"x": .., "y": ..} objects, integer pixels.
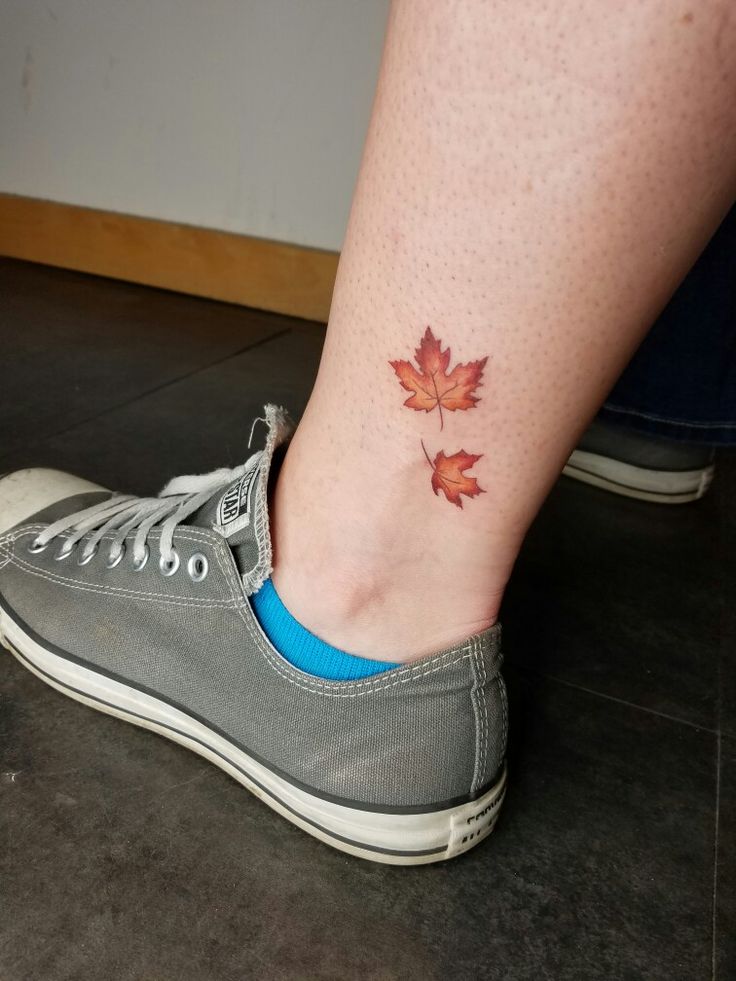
[
  {"x": 198, "y": 567},
  {"x": 34, "y": 547},
  {"x": 168, "y": 567},
  {"x": 137, "y": 566},
  {"x": 117, "y": 558},
  {"x": 84, "y": 559},
  {"x": 64, "y": 552}
]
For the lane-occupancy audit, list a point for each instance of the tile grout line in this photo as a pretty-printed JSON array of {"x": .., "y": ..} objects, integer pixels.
[
  {"x": 622, "y": 701},
  {"x": 716, "y": 830},
  {"x": 721, "y": 501},
  {"x": 152, "y": 391}
]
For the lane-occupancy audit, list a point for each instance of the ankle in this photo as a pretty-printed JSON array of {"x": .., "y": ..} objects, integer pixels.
[
  {"x": 372, "y": 566},
  {"x": 376, "y": 617},
  {"x": 365, "y": 579}
]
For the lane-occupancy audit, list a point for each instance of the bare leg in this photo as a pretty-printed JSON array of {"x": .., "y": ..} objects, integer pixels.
[{"x": 537, "y": 179}]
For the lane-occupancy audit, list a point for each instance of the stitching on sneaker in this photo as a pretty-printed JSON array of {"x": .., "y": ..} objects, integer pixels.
[
  {"x": 351, "y": 689},
  {"x": 170, "y": 598},
  {"x": 255, "y": 577},
  {"x": 504, "y": 709},
  {"x": 474, "y": 702},
  {"x": 411, "y": 672},
  {"x": 144, "y": 597},
  {"x": 240, "y": 603},
  {"x": 279, "y": 430},
  {"x": 119, "y": 592},
  {"x": 285, "y": 670},
  {"x": 484, "y": 699}
]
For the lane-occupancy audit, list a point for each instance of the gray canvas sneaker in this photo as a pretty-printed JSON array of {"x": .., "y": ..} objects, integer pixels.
[
  {"x": 139, "y": 607},
  {"x": 638, "y": 465}
]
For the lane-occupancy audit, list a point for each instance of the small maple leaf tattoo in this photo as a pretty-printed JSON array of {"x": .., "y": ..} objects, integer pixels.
[
  {"x": 432, "y": 386},
  {"x": 448, "y": 476}
]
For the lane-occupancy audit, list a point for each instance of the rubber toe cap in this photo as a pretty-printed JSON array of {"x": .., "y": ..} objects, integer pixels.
[{"x": 24, "y": 493}]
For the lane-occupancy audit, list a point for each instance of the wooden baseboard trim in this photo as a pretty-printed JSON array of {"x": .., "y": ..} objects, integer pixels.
[{"x": 256, "y": 272}]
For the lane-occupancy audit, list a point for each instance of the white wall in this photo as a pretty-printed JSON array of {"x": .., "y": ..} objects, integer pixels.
[{"x": 245, "y": 115}]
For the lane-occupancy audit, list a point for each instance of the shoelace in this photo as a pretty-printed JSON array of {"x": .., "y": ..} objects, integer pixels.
[{"x": 124, "y": 512}]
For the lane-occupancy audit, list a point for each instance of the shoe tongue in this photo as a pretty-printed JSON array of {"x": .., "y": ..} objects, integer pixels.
[{"x": 240, "y": 512}]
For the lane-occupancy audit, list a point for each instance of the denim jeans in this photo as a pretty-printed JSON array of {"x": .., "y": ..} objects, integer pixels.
[{"x": 681, "y": 382}]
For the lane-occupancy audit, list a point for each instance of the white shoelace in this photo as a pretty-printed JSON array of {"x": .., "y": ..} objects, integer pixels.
[{"x": 122, "y": 513}]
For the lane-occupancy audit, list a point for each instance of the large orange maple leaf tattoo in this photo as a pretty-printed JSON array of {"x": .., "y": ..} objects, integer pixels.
[
  {"x": 432, "y": 386},
  {"x": 448, "y": 476}
]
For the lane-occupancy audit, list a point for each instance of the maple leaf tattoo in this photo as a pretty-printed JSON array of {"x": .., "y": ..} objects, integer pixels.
[
  {"x": 432, "y": 386},
  {"x": 448, "y": 476}
]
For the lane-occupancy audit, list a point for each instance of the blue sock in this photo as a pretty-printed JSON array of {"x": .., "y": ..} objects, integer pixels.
[{"x": 301, "y": 648}]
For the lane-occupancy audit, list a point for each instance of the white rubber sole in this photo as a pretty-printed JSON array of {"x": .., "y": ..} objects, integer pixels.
[
  {"x": 660, "y": 486},
  {"x": 393, "y": 838},
  {"x": 26, "y": 492}
]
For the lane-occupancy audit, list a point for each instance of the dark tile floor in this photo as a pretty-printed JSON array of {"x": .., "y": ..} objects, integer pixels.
[{"x": 127, "y": 857}]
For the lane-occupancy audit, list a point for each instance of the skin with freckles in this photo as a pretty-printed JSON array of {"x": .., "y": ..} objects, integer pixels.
[{"x": 537, "y": 179}]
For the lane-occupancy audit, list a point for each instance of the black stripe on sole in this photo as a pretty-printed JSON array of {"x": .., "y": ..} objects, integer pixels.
[
  {"x": 251, "y": 779},
  {"x": 286, "y": 777}
]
